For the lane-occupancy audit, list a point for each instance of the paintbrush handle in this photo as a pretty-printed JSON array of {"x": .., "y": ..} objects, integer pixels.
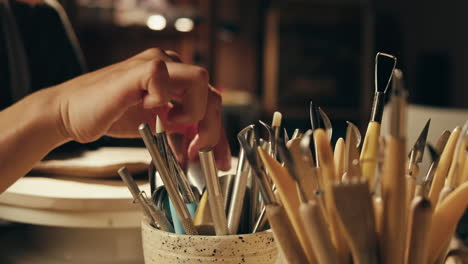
[
  {"x": 285, "y": 235},
  {"x": 317, "y": 230},
  {"x": 369, "y": 152},
  {"x": 419, "y": 224},
  {"x": 394, "y": 202}
]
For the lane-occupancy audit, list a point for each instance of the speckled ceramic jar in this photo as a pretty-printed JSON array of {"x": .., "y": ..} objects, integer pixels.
[{"x": 162, "y": 247}]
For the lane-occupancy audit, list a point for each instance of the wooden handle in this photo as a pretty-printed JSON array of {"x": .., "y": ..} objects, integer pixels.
[
  {"x": 419, "y": 225},
  {"x": 445, "y": 219},
  {"x": 285, "y": 236},
  {"x": 286, "y": 187},
  {"x": 339, "y": 158},
  {"x": 308, "y": 178},
  {"x": 443, "y": 167},
  {"x": 369, "y": 152},
  {"x": 328, "y": 176},
  {"x": 394, "y": 201},
  {"x": 317, "y": 230}
]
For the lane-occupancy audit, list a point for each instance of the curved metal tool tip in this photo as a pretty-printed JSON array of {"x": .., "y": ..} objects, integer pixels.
[
  {"x": 245, "y": 131},
  {"x": 376, "y": 70},
  {"x": 356, "y": 132},
  {"x": 433, "y": 152},
  {"x": 269, "y": 130},
  {"x": 326, "y": 123},
  {"x": 314, "y": 120}
]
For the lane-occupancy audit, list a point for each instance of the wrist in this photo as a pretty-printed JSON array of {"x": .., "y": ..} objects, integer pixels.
[{"x": 49, "y": 115}]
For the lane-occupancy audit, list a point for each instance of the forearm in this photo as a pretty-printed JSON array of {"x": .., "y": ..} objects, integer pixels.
[{"x": 29, "y": 130}]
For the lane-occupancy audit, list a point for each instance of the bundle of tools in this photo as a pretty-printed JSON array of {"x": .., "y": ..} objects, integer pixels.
[{"x": 350, "y": 204}]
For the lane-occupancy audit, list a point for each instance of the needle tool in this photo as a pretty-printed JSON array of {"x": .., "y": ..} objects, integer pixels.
[
  {"x": 171, "y": 188},
  {"x": 157, "y": 218}
]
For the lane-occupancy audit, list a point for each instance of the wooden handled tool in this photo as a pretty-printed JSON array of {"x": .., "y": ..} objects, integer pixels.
[
  {"x": 286, "y": 187},
  {"x": 317, "y": 230},
  {"x": 285, "y": 235},
  {"x": 443, "y": 166},
  {"x": 445, "y": 219},
  {"x": 339, "y": 157},
  {"x": 328, "y": 176},
  {"x": 354, "y": 206},
  {"x": 419, "y": 226},
  {"x": 393, "y": 179}
]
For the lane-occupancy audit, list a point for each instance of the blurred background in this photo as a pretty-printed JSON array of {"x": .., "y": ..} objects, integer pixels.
[{"x": 275, "y": 55}]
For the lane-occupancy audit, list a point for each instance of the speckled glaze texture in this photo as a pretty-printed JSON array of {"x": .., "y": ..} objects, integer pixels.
[{"x": 162, "y": 247}]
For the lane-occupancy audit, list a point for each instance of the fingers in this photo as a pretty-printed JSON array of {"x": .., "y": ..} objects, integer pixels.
[
  {"x": 209, "y": 127},
  {"x": 190, "y": 88},
  {"x": 222, "y": 152},
  {"x": 157, "y": 85}
]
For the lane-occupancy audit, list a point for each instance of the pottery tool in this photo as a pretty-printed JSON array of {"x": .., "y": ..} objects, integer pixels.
[
  {"x": 415, "y": 157},
  {"x": 445, "y": 220},
  {"x": 443, "y": 166},
  {"x": 286, "y": 187},
  {"x": 423, "y": 189},
  {"x": 306, "y": 172},
  {"x": 352, "y": 168},
  {"x": 259, "y": 176},
  {"x": 297, "y": 134},
  {"x": 285, "y": 235},
  {"x": 420, "y": 220},
  {"x": 371, "y": 140},
  {"x": 328, "y": 176},
  {"x": 339, "y": 157},
  {"x": 318, "y": 119},
  {"x": 158, "y": 160},
  {"x": 203, "y": 214},
  {"x": 393, "y": 178},
  {"x": 457, "y": 161},
  {"x": 317, "y": 230},
  {"x": 157, "y": 218},
  {"x": 292, "y": 168},
  {"x": 354, "y": 207},
  {"x": 268, "y": 146},
  {"x": 240, "y": 184},
  {"x": 177, "y": 174},
  {"x": 215, "y": 195},
  {"x": 276, "y": 126}
]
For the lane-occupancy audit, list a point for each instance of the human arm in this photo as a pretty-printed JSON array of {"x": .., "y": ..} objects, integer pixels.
[{"x": 112, "y": 101}]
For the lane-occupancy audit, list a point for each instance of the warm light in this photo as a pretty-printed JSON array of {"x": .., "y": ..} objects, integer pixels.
[
  {"x": 156, "y": 22},
  {"x": 184, "y": 24}
]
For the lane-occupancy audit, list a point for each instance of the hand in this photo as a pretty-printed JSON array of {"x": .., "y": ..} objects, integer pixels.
[{"x": 113, "y": 101}]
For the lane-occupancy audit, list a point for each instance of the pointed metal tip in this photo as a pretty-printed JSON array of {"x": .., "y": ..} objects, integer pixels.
[
  {"x": 420, "y": 143},
  {"x": 433, "y": 152}
]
